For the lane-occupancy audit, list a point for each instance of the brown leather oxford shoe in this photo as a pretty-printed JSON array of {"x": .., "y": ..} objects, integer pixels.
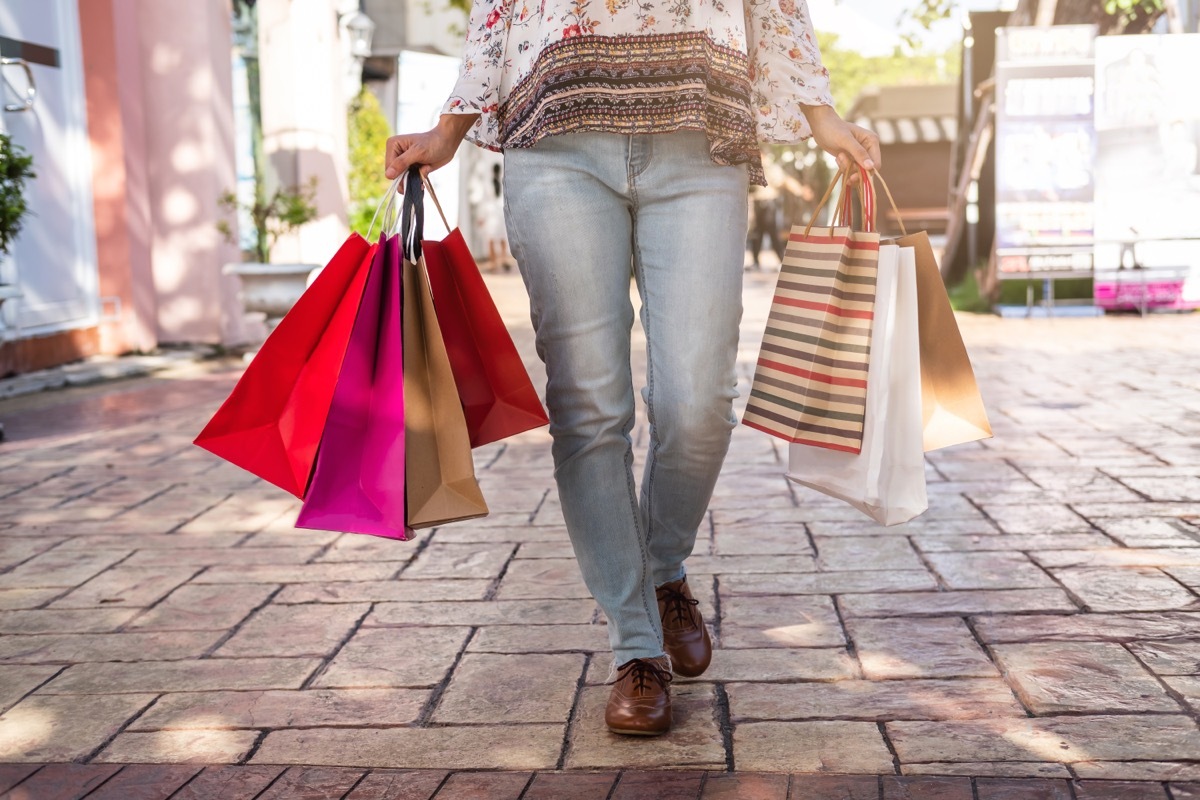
[
  {"x": 640, "y": 702},
  {"x": 685, "y": 636}
]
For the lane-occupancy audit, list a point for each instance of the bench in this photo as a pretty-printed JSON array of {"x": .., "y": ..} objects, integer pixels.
[{"x": 919, "y": 218}]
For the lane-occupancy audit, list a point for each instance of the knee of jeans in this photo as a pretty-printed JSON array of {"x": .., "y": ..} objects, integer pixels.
[
  {"x": 696, "y": 428},
  {"x": 578, "y": 429}
]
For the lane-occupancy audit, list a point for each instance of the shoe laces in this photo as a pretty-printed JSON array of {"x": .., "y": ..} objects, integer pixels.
[
  {"x": 643, "y": 671},
  {"x": 678, "y": 604}
]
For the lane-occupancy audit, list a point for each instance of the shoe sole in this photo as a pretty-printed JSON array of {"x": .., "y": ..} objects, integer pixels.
[
  {"x": 682, "y": 674},
  {"x": 690, "y": 674},
  {"x": 625, "y": 732}
]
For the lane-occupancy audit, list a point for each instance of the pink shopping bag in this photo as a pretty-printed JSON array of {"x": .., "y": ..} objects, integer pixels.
[{"x": 358, "y": 483}]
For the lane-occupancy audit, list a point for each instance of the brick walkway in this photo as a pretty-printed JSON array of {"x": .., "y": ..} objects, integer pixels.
[{"x": 1036, "y": 633}]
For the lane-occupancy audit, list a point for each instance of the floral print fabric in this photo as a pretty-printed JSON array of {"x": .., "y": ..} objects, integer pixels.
[
  {"x": 636, "y": 84},
  {"x": 738, "y": 69}
]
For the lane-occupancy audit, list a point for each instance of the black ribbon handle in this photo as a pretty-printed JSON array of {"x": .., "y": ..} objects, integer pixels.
[{"x": 412, "y": 215}]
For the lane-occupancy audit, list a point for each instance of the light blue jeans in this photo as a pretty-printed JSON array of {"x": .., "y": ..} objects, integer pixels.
[{"x": 585, "y": 211}]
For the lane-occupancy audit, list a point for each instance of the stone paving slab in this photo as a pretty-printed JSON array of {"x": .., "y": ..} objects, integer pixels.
[
  {"x": 1035, "y": 634},
  {"x": 180, "y": 747}
]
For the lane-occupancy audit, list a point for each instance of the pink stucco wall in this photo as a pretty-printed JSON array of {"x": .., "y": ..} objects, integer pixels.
[
  {"x": 175, "y": 65},
  {"x": 121, "y": 245},
  {"x": 160, "y": 120}
]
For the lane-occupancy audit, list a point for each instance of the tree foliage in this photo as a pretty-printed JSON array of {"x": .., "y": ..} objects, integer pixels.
[
  {"x": 1111, "y": 16},
  {"x": 367, "y": 138},
  {"x": 851, "y": 71}
]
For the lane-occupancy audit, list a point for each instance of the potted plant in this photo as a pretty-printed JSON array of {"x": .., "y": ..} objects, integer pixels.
[
  {"x": 267, "y": 287},
  {"x": 15, "y": 168}
]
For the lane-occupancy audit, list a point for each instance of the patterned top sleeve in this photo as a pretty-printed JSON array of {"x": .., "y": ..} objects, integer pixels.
[
  {"x": 785, "y": 68},
  {"x": 478, "y": 88}
]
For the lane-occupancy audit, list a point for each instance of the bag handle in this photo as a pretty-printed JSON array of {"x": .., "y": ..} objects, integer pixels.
[
  {"x": 866, "y": 196},
  {"x": 841, "y": 176},
  {"x": 387, "y": 205},
  {"x": 433, "y": 196},
  {"x": 892, "y": 200},
  {"x": 412, "y": 215},
  {"x": 847, "y": 208}
]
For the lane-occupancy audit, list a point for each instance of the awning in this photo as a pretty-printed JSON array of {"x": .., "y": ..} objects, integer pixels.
[{"x": 911, "y": 130}]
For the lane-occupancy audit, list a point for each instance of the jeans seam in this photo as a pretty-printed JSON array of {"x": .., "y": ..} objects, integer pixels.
[
  {"x": 517, "y": 246},
  {"x": 648, "y": 140},
  {"x": 644, "y": 532},
  {"x": 652, "y": 454}
]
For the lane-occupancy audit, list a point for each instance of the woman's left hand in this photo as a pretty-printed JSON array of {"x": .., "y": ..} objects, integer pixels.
[{"x": 850, "y": 144}]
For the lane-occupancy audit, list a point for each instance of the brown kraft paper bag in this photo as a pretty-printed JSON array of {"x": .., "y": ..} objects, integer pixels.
[
  {"x": 952, "y": 406},
  {"x": 439, "y": 473}
]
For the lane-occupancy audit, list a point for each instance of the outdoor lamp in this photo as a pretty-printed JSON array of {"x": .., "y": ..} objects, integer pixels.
[{"x": 361, "y": 29}]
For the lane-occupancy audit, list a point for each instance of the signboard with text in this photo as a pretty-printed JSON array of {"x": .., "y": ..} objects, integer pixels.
[
  {"x": 1045, "y": 146},
  {"x": 1148, "y": 171}
]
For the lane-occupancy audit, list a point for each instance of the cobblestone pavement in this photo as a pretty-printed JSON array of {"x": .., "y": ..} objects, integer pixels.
[{"x": 1036, "y": 634}]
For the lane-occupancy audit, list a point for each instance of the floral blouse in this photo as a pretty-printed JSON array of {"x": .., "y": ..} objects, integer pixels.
[{"x": 737, "y": 69}]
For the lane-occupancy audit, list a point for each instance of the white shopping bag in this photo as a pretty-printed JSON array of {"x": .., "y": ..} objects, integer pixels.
[{"x": 886, "y": 481}]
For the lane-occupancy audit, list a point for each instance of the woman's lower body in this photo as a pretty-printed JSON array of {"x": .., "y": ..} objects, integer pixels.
[{"x": 585, "y": 212}]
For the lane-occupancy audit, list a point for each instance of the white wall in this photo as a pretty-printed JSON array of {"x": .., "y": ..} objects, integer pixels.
[{"x": 302, "y": 74}]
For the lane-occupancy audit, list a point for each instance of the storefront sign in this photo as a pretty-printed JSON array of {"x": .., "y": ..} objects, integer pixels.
[
  {"x": 1045, "y": 145},
  {"x": 1148, "y": 171}
]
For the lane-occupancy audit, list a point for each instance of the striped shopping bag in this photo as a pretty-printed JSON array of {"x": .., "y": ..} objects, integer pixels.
[{"x": 810, "y": 384}]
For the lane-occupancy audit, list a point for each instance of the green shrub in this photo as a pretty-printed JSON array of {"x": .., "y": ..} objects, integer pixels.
[
  {"x": 367, "y": 135},
  {"x": 964, "y": 296},
  {"x": 1013, "y": 293},
  {"x": 15, "y": 168}
]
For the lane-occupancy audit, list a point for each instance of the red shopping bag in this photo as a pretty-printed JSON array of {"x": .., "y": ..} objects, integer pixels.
[
  {"x": 497, "y": 396},
  {"x": 271, "y": 423},
  {"x": 358, "y": 485}
]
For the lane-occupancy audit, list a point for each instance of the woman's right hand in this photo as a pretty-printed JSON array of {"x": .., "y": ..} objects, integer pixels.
[
  {"x": 848, "y": 143},
  {"x": 432, "y": 149}
]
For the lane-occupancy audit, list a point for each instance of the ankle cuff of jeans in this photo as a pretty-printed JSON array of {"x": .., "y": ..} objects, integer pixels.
[
  {"x": 663, "y": 659},
  {"x": 679, "y": 575}
]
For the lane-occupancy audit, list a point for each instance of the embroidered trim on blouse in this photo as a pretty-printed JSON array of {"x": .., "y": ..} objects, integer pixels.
[{"x": 637, "y": 84}]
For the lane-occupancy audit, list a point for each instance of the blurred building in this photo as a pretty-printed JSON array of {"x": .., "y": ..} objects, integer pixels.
[
  {"x": 415, "y": 61},
  {"x": 129, "y": 108},
  {"x": 916, "y": 126},
  {"x": 407, "y": 26}
]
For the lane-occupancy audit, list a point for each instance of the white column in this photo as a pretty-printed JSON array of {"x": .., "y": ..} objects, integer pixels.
[{"x": 304, "y": 116}]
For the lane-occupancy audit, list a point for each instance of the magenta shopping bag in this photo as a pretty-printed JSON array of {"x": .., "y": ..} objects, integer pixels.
[{"x": 358, "y": 482}]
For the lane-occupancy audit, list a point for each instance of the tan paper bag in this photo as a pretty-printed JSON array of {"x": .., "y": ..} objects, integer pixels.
[
  {"x": 439, "y": 473},
  {"x": 952, "y": 406}
]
